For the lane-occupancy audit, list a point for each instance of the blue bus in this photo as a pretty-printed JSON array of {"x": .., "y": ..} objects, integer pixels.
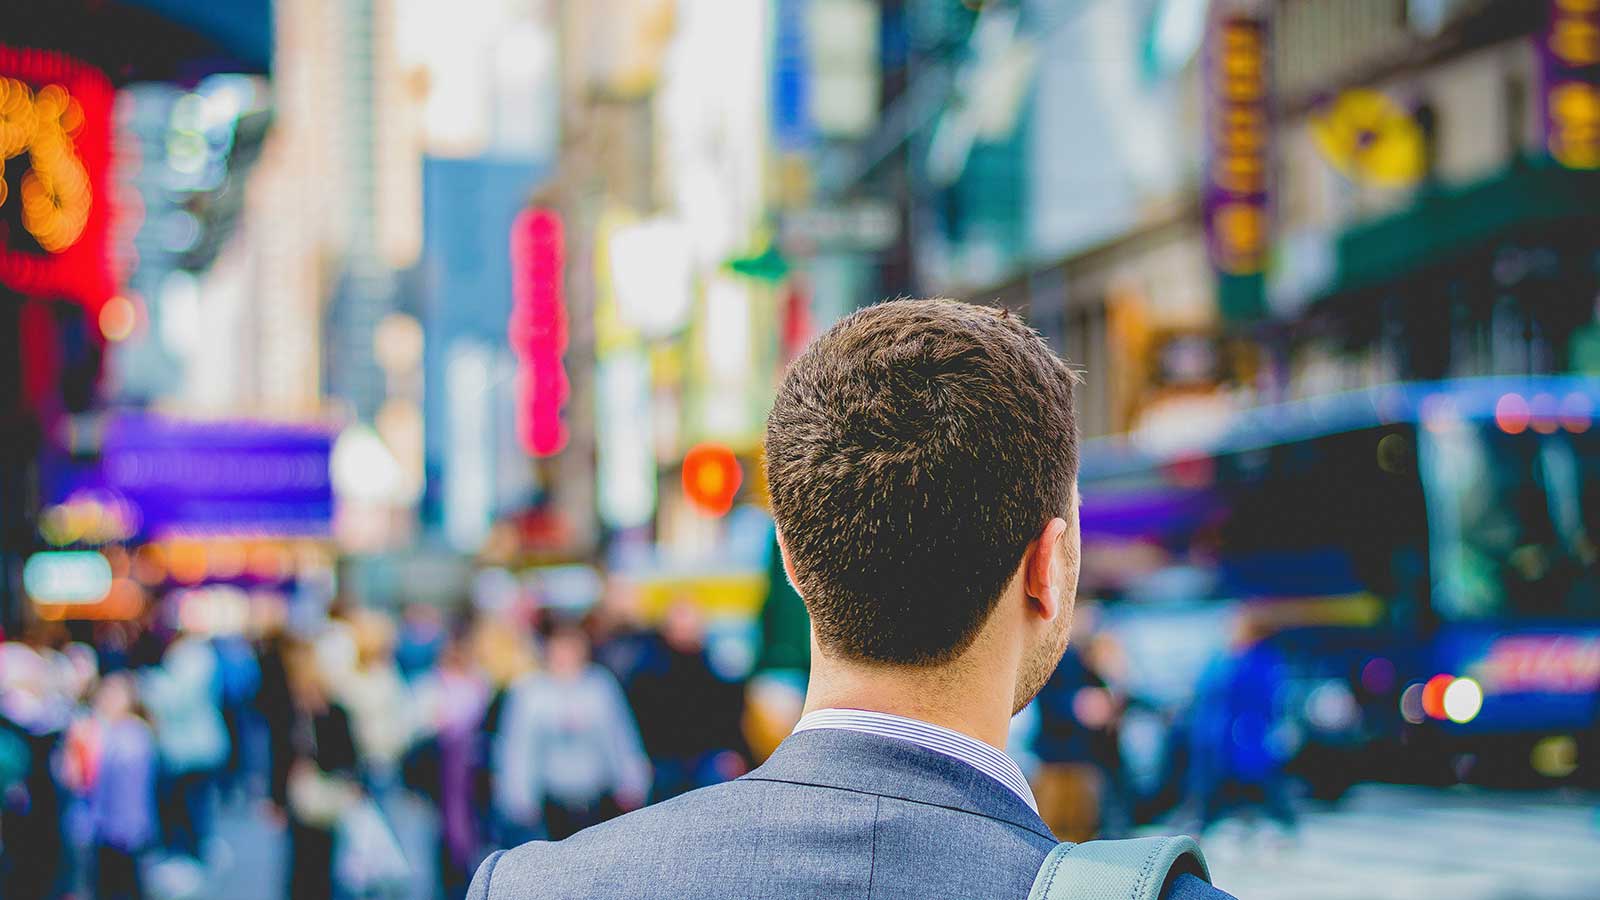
[{"x": 1425, "y": 557}]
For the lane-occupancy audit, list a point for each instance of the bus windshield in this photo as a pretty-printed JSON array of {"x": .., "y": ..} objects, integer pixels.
[
  {"x": 1338, "y": 515},
  {"x": 1513, "y": 521}
]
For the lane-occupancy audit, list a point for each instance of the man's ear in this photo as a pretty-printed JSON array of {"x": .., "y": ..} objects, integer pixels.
[
  {"x": 788, "y": 567},
  {"x": 1043, "y": 581}
]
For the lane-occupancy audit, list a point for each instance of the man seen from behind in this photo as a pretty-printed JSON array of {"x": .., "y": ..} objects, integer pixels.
[{"x": 922, "y": 460}]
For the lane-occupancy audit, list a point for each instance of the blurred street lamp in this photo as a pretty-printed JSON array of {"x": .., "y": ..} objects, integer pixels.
[{"x": 363, "y": 469}]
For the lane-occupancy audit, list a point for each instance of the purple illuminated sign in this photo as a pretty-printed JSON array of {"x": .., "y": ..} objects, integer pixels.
[
  {"x": 1569, "y": 57},
  {"x": 1238, "y": 145},
  {"x": 180, "y": 478}
]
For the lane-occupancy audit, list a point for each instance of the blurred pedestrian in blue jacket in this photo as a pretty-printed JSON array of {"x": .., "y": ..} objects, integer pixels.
[
  {"x": 121, "y": 790},
  {"x": 1237, "y": 747}
]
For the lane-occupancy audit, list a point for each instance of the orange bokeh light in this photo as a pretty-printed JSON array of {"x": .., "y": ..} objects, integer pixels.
[
  {"x": 711, "y": 478},
  {"x": 118, "y": 318},
  {"x": 186, "y": 562}
]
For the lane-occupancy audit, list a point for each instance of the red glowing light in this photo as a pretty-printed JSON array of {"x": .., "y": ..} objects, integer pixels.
[
  {"x": 711, "y": 478},
  {"x": 1512, "y": 414},
  {"x": 1433, "y": 695}
]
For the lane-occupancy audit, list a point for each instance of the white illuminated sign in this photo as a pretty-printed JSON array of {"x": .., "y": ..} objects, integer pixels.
[{"x": 67, "y": 577}]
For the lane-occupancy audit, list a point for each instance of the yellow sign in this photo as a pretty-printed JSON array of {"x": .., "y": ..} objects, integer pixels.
[
  {"x": 1238, "y": 135},
  {"x": 733, "y": 595},
  {"x": 1371, "y": 139},
  {"x": 1570, "y": 58},
  {"x": 55, "y": 190},
  {"x": 1575, "y": 125}
]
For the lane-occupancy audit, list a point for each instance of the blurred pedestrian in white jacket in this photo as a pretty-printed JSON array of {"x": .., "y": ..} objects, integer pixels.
[
  {"x": 568, "y": 754},
  {"x": 183, "y": 696}
]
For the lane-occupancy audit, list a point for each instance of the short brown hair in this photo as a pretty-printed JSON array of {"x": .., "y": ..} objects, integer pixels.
[{"x": 914, "y": 451}]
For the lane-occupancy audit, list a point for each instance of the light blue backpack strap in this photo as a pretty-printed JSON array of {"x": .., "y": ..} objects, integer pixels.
[{"x": 1134, "y": 869}]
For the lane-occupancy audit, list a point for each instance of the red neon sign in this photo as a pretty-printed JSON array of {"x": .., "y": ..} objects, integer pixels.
[
  {"x": 538, "y": 329},
  {"x": 55, "y": 149}
]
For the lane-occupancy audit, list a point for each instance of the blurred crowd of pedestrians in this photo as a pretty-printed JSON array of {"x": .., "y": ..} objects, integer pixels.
[{"x": 119, "y": 742}]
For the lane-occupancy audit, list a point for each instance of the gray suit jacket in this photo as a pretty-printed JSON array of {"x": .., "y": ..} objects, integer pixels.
[{"x": 833, "y": 814}]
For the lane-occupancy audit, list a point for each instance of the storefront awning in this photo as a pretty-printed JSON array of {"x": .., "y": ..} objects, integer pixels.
[{"x": 1447, "y": 223}]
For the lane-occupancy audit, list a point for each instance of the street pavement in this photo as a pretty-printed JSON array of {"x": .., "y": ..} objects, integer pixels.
[
  {"x": 1381, "y": 842},
  {"x": 248, "y": 859},
  {"x": 1387, "y": 841}
]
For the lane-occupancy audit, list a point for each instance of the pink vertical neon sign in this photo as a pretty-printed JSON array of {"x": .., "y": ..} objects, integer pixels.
[{"x": 538, "y": 329}]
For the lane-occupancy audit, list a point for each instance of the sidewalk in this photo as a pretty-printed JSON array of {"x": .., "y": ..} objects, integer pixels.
[{"x": 248, "y": 858}]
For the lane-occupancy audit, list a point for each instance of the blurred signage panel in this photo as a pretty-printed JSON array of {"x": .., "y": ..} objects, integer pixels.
[
  {"x": 67, "y": 577},
  {"x": 527, "y": 102},
  {"x": 55, "y": 147},
  {"x": 490, "y": 75},
  {"x": 844, "y": 66},
  {"x": 1533, "y": 677},
  {"x": 625, "y": 43},
  {"x": 791, "y": 77},
  {"x": 538, "y": 329},
  {"x": 1557, "y": 663},
  {"x": 651, "y": 275},
  {"x": 468, "y": 460},
  {"x": 627, "y": 465},
  {"x": 727, "y": 332},
  {"x": 1108, "y": 140},
  {"x": 863, "y": 227},
  {"x": 1569, "y": 56},
  {"x": 1238, "y": 143},
  {"x": 187, "y": 478},
  {"x": 826, "y": 79}
]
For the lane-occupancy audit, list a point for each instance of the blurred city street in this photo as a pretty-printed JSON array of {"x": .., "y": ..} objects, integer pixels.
[
  {"x": 1404, "y": 842},
  {"x": 247, "y": 859},
  {"x": 389, "y": 390},
  {"x": 1395, "y": 842}
]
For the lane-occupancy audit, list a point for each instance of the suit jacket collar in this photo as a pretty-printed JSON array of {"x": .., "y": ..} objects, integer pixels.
[{"x": 873, "y": 764}]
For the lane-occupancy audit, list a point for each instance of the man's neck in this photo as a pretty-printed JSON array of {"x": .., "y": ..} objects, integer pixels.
[{"x": 957, "y": 696}]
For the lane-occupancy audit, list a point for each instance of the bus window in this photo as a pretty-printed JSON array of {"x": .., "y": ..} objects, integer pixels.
[
  {"x": 1513, "y": 520},
  {"x": 1335, "y": 516}
]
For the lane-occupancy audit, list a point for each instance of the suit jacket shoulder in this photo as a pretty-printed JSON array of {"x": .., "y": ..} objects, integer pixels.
[{"x": 833, "y": 814}]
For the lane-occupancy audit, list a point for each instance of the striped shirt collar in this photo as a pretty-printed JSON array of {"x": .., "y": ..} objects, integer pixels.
[{"x": 954, "y": 744}]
